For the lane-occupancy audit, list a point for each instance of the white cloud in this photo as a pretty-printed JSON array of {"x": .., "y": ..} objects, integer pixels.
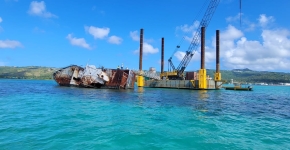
[
  {"x": 228, "y": 38},
  {"x": 97, "y": 33},
  {"x": 39, "y": 9},
  {"x": 189, "y": 38},
  {"x": 209, "y": 55},
  {"x": 234, "y": 18},
  {"x": 272, "y": 53},
  {"x": 180, "y": 55},
  {"x": 134, "y": 35},
  {"x": 250, "y": 26},
  {"x": 231, "y": 33},
  {"x": 1, "y": 20},
  {"x": 277, "y": 41},
  {"x": 147, "y": 49},
  {"x": 78, "y": 41},
  {"x": 264, "y": 20},
  {"x": 188, "y": 28},
  {"x": 115, "y": 40},
  {"x": 9, "y": 44},
  {"x": 187, "y": 31},
  {"x": 243, "y": 22}
]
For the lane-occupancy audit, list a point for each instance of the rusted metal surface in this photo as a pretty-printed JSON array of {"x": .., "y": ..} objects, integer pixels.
[
  {"x": 92, "y": 77},
  {"x": 217, "y": 75},
  {"x": 162, "y": 55},
  {"x": 202, "y": 48},
  {"x": 190, "y": 76},
  {"x": 141, "y": 49},
  {"x": 116, "y": 79},
  {"x": 63, "y": 76},
  {"x": 120, "y": 79},
  {"x": 217, "y": 51}
]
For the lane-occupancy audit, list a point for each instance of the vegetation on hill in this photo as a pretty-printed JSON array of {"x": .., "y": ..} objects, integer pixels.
[
  {"x": 239, "y": 75},
  {"x": 246, "y": 75},
  {"x": 31, "y": 72}
]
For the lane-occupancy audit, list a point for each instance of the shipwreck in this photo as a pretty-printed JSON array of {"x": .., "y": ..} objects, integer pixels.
[{"x": 92, "y": 77}]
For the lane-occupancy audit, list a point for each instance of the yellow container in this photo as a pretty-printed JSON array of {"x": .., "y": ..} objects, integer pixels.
[
  {"x": 140, "y": 81},
  {"x": 202, "y": 79},
  {"x": 218, "y": 77}
]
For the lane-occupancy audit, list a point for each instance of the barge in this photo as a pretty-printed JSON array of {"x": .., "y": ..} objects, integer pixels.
[{"x": 238, "y": 87}]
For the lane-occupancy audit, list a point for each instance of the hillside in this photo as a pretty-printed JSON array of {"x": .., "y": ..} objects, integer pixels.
[
  {"x": 239, "y": 75},
  {"x": 31, "y": 72},
  {"x": 246, "y": 75}
]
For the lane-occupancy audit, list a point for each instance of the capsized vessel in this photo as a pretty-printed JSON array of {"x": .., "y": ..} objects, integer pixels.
[{"x": 93, "y": 77}]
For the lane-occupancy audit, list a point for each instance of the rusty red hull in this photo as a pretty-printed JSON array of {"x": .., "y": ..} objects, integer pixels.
[
  {"x": 117, "y": 78},
  {"x": 63, "y": 76},
  {"x": 120, "y": 79}
]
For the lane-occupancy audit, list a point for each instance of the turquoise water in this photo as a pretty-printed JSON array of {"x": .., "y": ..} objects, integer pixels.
[{"x": 37, "y": 114}]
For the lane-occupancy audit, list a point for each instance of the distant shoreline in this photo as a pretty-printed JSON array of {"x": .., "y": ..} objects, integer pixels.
[
  {"x": 237, "y": 75},
  {"x": 30, "y": 72}
]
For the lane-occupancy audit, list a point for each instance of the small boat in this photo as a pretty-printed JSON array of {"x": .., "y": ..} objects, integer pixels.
[{"x": 238, "y": 87}]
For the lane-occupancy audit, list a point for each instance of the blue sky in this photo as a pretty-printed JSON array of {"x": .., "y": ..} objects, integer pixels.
[{"x": 106, "y": 33}]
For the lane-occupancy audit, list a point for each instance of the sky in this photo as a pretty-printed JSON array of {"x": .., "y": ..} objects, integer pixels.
[{"x": 106, "y": 33}]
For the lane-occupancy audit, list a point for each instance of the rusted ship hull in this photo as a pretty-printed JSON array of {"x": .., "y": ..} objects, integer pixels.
[
  {"x": 92, "y": 77},
  {"x": 64, "y": 76}
]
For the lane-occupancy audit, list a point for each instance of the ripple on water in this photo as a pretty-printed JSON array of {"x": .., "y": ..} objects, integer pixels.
[{"x": 41, "y": 115}]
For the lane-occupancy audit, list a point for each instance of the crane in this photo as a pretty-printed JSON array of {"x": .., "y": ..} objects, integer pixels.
[{"x": 177, "y": 73}]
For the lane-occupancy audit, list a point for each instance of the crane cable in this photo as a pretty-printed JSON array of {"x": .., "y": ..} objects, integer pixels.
[{"x": 178, "y": 46}]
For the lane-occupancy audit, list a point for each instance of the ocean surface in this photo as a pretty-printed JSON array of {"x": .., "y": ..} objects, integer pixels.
[{"x": 39, "y": 114}]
